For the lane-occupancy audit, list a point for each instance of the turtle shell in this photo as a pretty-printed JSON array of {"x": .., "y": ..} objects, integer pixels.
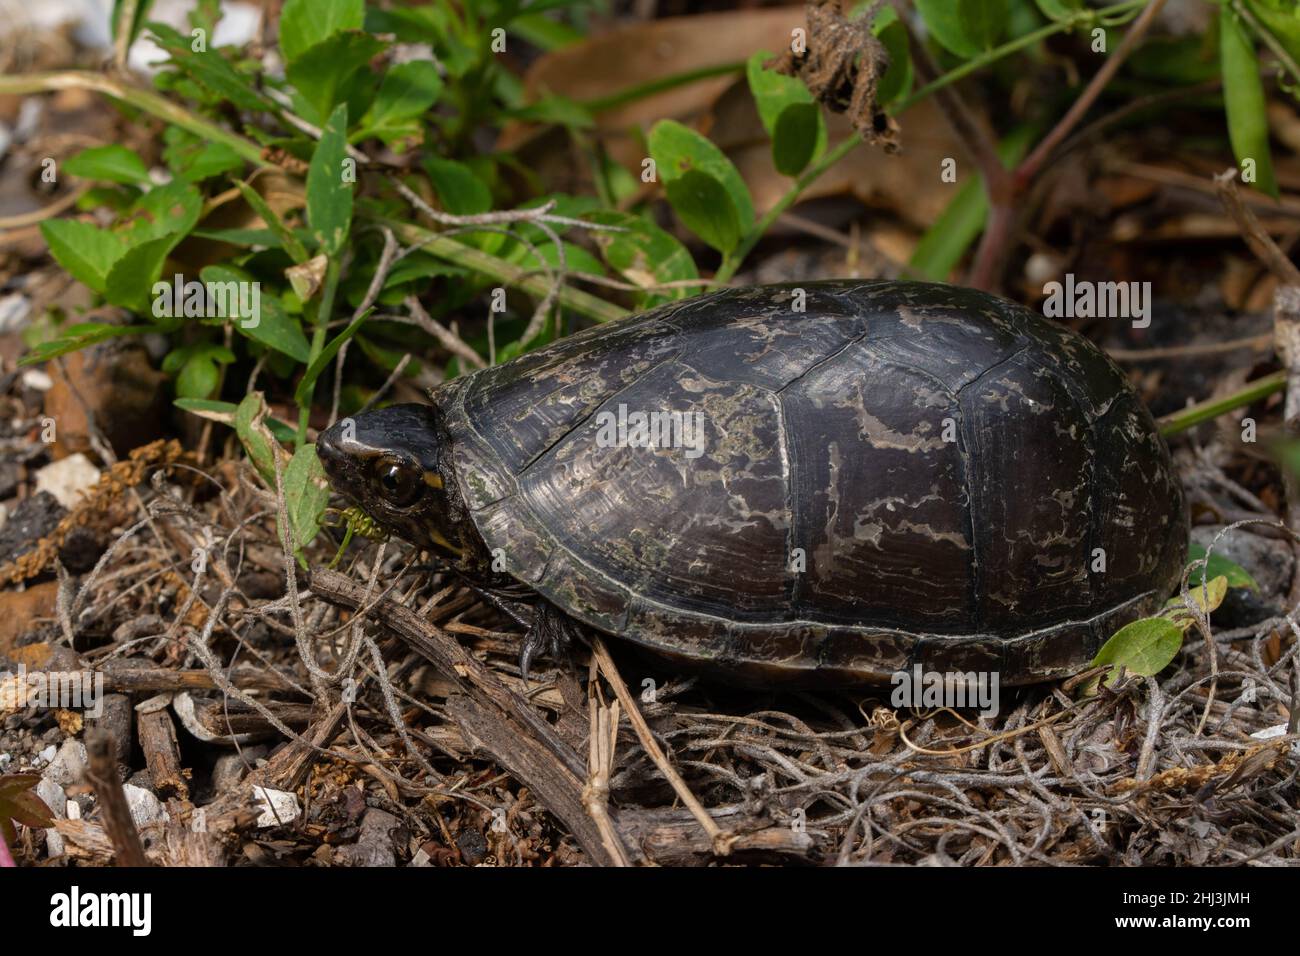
[{"x": 890, "y": 474}]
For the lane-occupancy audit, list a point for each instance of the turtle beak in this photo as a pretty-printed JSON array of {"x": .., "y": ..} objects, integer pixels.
[
  {"x": 340, "y": 462},
  {"x": 330, "y": 451}
]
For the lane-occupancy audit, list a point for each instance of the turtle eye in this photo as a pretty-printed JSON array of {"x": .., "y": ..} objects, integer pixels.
[{"x": 398, "y": 482}]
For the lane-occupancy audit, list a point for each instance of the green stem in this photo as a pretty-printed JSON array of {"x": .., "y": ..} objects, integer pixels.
[
  {"x": 322, "y": 319},
  {"x": 1192, "y": 415},
  {"x": 138, "y": 97},
  {"x": 125, "y": 31},
  {"x": 633, "y": 93},
  {"x": 507, "y": 272},
  {"x": 733, "y": 259}
]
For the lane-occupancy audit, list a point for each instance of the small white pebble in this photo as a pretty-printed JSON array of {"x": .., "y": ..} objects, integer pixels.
[
  {"x": 14, "y": 310},
  {"x": 67, "y": 478},
  {"x": 1041, "y": 267},
  {"x": 35, "y": 379},
  {"x": 285, "y": 806},
  {"x": 145, "y": 807}
]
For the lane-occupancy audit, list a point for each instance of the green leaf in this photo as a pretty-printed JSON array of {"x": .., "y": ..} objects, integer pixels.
[
  {"x": 1059, "y": 9},
  {"x": 194, "y": 160},
  {"x": 1218, "y": 566},
  {"x": 302, "y": 394},
  {"x": 705, "y": 208},
  {"x": 170, "y": 210},
  {"x": 250, "y": 426},
  {"x": 113, "y": 163},
  {"x": 274, "y": 327},
  {"x": 964, "y": 27},
  {"x": 983, "y": 21},
  {"x": 86, "y": 251},
  {"x": 329, "y": 197},
  {"x": 788, "y": 113},
  {"x": 1243, "y": 99},
  {"x": 678, "y": 149},
  {"x": 459, "y": 191},
  {"x": 241, "y": 237},
  {"x": 81, "y": 335},
  {"x": 800, "y": 133},
  {"x": 945, "y": 242},
  {"x": 306, "y": 23},
  {"x": 1210, "y": 596},
  {"x": 306, "y": 493},
  {"x": 297, "y": 251},
  {"x": 576, "y": 258},
  {"x": 210, "y": 70},
  {"x": 897, "y": 81},
  {"x": 556, "y": 110},
  {"x": 1145, "y": 647},
  {"x": 407, "y": 92},
  {"x": 322, "y": 74},
  {"x": 419, "y": 265},
  {"x": 208, "y": 408},
  {"x": 130, "y": 282},
  {"x": 199, "y": 377},
  {"x": 224, "y": 413},
  {"x": 544, "y": 33},
  {"x": 643, "y": 254}
]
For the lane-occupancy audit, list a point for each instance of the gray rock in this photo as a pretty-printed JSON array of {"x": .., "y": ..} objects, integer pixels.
[
  {"x": 54, "y": 797},
  {"x": 374, "y": 846},
  {"x": 52, "y": 794},
  {"x": 67, "y": 764},
  {"x": 1268, "y": 560},
  {"x": 145, "y": 808},
  {"x": 229, "y": 769}
]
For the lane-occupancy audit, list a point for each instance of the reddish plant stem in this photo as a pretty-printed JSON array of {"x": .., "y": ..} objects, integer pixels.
[
  {"x": 1034, "y": 162},
  {"x": 1006, "y": 189},
  {"x": 995, "y": 244}
]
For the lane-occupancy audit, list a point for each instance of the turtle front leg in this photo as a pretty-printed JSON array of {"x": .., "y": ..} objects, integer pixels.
[
  {"x": 553, "y": 631},
  {"x": 546, "y": 627}
]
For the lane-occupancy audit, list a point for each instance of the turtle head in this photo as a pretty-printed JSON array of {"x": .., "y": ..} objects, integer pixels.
[{"x": 394, "y": 464}]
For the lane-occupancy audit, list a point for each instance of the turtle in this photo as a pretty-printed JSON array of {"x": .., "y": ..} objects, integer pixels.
[{"x": 814, "y": 484}]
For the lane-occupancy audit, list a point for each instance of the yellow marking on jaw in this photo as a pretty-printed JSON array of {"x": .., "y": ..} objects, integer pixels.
[
  {"x": 433, "y": 479},
  {"x": 442, "y": 542}
]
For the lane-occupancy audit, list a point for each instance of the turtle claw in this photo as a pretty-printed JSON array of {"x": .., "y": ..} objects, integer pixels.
[{"x": 551, "y": 632}]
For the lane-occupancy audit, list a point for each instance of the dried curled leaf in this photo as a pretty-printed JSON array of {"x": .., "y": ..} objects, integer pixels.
[
  {"x": 19, "y": 802},
  {"x": 842, "y": 64}
]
